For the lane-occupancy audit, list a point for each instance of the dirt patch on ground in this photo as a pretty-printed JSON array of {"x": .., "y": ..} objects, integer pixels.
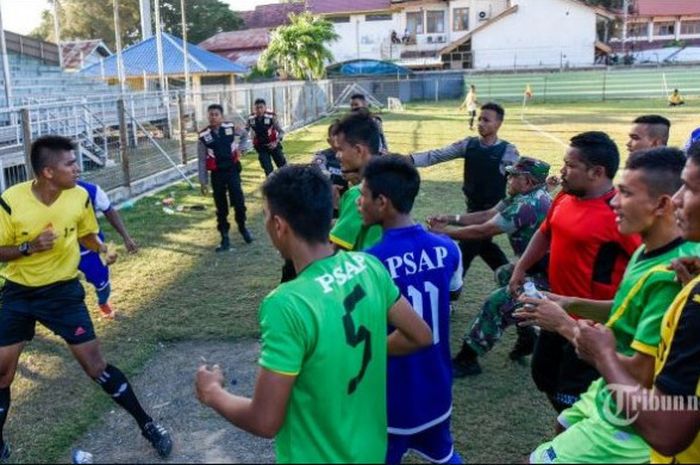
[{"x": 166, "y": 388}]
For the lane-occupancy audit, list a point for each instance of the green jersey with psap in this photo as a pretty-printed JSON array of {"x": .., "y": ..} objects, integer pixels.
[{"x": 328, "y": 327}]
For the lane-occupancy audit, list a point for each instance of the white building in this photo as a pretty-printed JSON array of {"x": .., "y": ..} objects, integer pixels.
[{"x": 464, "y": 34}]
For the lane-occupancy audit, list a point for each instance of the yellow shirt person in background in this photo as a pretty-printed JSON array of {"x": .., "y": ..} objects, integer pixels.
[{"x": 675, "y": 99}]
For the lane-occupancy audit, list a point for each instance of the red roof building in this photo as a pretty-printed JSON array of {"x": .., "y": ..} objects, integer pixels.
[
  {"x": 657, "y": 23},
  {"x": 81, "y": 53},
  {"x": 242, "y": 47},
  {"x": 270, "y": 16}
]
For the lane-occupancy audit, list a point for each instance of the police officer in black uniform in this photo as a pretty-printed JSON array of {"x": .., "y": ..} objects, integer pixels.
[
  {"x": 485, "y": 160},
  {"x": 267, "y": 137},
  {"x": 219, "y": 152}
]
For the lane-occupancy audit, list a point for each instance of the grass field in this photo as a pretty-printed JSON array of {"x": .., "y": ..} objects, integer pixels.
[{"x": 172, "y": 290}]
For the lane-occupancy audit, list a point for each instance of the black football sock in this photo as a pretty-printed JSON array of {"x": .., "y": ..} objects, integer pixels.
[
  {"x": 4, "y": 408},
  {"x": 114, "y": 383}
]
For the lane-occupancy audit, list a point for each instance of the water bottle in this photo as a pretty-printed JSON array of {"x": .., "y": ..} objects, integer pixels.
[
  {"x": 531, "y": 291},
  {"x": 80, "y": 456}
]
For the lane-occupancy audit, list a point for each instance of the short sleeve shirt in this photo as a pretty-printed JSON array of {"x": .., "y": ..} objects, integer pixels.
[
  {"x": 328, "y": 327},
  {"x": 23, "y": 217},
  {"x": 677, "y": 368},
  {"x": 588, "y": 255},
  {"x": 521, "y": 215},
  {"x": 349, "y": 232}
]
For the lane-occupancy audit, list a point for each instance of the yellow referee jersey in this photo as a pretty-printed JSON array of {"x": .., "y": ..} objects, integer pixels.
[{"x": 23, "y": 217}]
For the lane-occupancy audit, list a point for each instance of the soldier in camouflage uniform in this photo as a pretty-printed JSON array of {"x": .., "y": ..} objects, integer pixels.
[{"x": 519, "y": 216}]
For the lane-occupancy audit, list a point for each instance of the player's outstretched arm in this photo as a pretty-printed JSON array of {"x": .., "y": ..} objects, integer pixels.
[
  {"x": 412, "y": 333},
  {"x": 263, "y": 415},
  {"x": 117, "y": 223}
]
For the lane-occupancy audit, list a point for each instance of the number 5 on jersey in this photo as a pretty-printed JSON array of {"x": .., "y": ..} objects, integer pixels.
[{"x": 356, "y": 337}]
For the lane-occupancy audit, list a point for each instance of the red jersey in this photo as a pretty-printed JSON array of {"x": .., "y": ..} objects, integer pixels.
[{"x": 588, "y": 255}]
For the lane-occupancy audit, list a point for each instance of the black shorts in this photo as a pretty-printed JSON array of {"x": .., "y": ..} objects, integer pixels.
[{"x": 59, "y": 306}]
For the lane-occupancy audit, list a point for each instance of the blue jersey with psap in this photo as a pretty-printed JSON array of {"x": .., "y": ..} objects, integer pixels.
[{"x": 425, "y": 267}]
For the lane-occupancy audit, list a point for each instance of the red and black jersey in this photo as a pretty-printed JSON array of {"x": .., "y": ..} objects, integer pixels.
[{"x": 588, "y": 255}]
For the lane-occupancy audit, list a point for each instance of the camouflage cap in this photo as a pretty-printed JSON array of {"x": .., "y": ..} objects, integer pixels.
[{"x": 538, "y": 169}]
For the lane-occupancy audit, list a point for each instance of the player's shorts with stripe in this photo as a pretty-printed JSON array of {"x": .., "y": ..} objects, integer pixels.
[
  {"x": 60, "y": 307},
  {"x": 96, "y": 272},
  {"x": 434, "y": 444}
]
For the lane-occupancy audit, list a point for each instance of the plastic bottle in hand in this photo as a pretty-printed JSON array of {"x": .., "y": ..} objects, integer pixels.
[{"x": 531, "y": 291}]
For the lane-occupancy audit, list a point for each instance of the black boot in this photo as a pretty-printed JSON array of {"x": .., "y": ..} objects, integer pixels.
[
  {"x": 225, "y": 243},
  {"x": 525, "y": 344},
  {"x": 466, "y": 362},
  {"x": 245, "y": 234}
]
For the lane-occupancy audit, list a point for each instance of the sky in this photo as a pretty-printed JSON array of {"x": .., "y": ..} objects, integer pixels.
[{"x": 22, "y": 16}]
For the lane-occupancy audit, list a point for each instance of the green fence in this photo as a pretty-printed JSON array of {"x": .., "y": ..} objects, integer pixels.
[{"x": 588, "y": 85}]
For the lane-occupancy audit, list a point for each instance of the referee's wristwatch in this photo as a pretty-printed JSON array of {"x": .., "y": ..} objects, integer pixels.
[{"x": 24, "y": 249}]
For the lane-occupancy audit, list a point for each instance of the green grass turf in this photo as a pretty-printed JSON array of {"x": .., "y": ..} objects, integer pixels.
[{"x": 177, "y": 289}]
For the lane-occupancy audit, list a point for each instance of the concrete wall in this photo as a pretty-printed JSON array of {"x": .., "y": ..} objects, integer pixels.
[
  {"x": 542, "y": 33},
  {"x": 363, "y": 39}
]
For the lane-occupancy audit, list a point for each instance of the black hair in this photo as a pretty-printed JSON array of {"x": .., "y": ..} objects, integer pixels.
[
  {"x": 358, "y": 97},
  {"x": 260, "y": 101},
  {"x": 394, "y": 177},
  {"x": 598, "y": 149},
  {"x": 215, "y": 106},
  {"x": 659, "y": 126},
  {"x": 495, "y": 108},
  {"x": 694, "y": 153},
  {"x": 333, "y": 128},
  {"x": 302, "y": 195},
  {"x": 662, "y": 168},
  {"x": 45, "y": 149},
  {"x": 360, "y": 128}
]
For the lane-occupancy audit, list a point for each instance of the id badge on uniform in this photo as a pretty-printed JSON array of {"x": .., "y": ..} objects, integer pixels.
[
  {"x": 208, "y": 138},
  {"x": 229, "y": 131},
  {"x": 267, "y": 121}
]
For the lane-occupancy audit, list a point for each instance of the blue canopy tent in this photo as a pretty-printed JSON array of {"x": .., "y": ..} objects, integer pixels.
[{"x": 367, "y": 68}]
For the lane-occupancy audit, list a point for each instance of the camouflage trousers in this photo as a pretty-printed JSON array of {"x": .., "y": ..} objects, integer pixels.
[{"x": 496, "y": 313}]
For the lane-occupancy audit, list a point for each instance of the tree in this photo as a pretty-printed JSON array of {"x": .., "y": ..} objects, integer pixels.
[
  {"x": 299, "y": 50},
  {"x": 90, "y": 19}
]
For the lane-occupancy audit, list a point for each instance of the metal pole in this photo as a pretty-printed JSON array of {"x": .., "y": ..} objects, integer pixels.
[
  {"x": 118, "y": 40},
  {"x": 625, "y": 17},
  {"x": 123, "y": 143},
  {"x": 5, "y": 65},
  {"x": 183, "y": 129},
  {"x": 184, "y": 52},
  {"x": 57, "y": 32},
  {"x": 146, "y": 26},
  {"x": 27, "y": 140},
  {"x": 159, "y": 48}
]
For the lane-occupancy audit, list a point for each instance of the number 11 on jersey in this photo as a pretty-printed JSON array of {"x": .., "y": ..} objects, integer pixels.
[{"x": 416, "y": 297}]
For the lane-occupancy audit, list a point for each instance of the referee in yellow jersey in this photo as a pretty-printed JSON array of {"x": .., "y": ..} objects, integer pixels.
[{"x": 41, "y": 224}]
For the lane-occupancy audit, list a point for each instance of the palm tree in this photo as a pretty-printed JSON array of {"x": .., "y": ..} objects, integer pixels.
[{"x": 299, "y": 50}]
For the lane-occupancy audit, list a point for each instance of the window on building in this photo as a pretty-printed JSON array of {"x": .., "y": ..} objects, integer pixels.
[
  {"x": 436, "y": 22},
  {"x": 339, "y": 19},
  {"x": 690, "y": 27},
  {"x": 667, "y": 28},
  {"x": 414, "y": 22},
  {"x": 461, "y": 19},
  {"x": 637, "y": 30},
  {"x": 386, "y": 17}
]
